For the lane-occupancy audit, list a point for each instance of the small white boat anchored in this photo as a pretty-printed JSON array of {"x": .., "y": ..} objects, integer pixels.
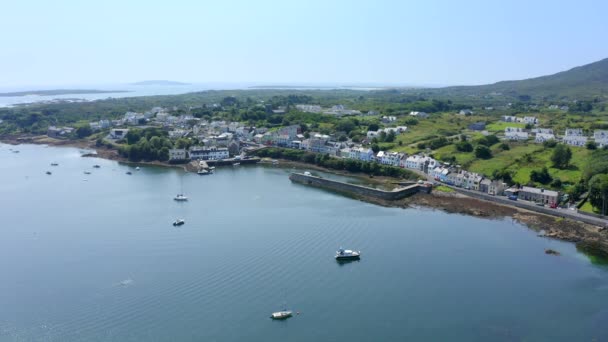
[
  {"x": 236, "y": 164},
  {"x": 347, "y": 254},
  {"x": 282, "y": 314},
  {"x": 204, "y": 172},
  {"x": 96, "y": 166},
  {"x": 137, "y": 168},
  {"x": 178, "y": 222},
  {"x": 87, "y": 172},
  {"x": 180, "y": 198},
  {"x": 54, "y": 164}
]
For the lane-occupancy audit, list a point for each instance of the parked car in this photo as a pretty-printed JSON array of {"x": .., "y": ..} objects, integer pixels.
[{"x": 513, "y": 197}]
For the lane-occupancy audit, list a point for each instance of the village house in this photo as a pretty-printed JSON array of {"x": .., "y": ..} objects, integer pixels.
[
  {"x": 389, "y": 119},
  {"x": 508, "y": 118},
  {"x": 477, "y": 126},
  {"x": 361, "y": 153},
  {"x": 59, "y": 132},
  {"x": 538, "y": 195},
  {"x": 542, "y": 137},
  {"x": 497, "y": 188},
  {"x": 532, "y": 120},
  {"x": 420, "y": 163},
  {"x": 208, "y": 153},
  {"x": 465, "y": 112},
  {"x": 515, "y": 133},
  {"x": 575, "y": 137},
  {"x": 421, "y": 115},
  {"x": 118, "y": 133},
  {"x": 484, "y": 185},
  {"x": 309, "y": 108},
  {"x": 601, "y": 138},
  {"x": 177, "y": 155}
]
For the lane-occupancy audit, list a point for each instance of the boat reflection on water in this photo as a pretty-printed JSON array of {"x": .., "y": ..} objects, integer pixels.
[{"x": 343, "y": 262}]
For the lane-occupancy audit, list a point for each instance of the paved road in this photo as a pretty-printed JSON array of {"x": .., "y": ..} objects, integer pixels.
[{"x": 559, "y": 212}]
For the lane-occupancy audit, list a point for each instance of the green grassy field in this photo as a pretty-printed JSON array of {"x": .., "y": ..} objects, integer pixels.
[
  {"x": 500, "y": 126},
  {"x": 502, "y": 159},
  {"x": 443, "y": 188}
]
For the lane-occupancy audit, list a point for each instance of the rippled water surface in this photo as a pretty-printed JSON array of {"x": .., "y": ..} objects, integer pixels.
[{"x": 95, "y": 258}]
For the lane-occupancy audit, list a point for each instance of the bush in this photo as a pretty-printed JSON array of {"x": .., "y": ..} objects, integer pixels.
[
  {"x": 542, "y": 176},
  {"x": 483, "y": 152},
  {"x": 550, "y": 143},
  {"x": 488, "y": 140},
  {"x": 464, "y": 146},
  {"x": 504, "y": 146},
  {"x": 591, "y": 145}
]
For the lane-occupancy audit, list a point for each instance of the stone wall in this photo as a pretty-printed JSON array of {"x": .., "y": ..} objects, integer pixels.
[{"x": 356, "y": 189}]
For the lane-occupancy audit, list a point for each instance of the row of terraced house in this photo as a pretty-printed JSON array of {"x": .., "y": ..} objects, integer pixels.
[{"x": 572, "y": 136}]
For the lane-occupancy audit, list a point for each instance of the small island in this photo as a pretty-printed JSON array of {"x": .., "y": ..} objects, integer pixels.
[
  {"x": 159, "y": 83},
  {"x": 60, "y": 92}
]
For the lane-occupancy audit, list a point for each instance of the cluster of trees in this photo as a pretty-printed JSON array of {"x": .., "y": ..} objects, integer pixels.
[
  {"x": 148, "y": 144},
  {"x": 434, "y": 144},
  {"x": 325, "y": 160},
  {"x": 542, "y": 176},
  {"x": 561, "y": 156}
]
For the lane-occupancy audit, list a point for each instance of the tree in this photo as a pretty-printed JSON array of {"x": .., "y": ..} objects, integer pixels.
[
  {"x": 591, "y": 145},
  {"x": 345, "y": 125},
  {"x": 373, "y": 127},
  {"x": 483, "y": 152},
  {"x": 542, "y": 176},
  {"x": 505, "y": 175},
  {"x": 83, "y": 131},
  {"x": 505, "y": 146},
  {"x": 598, "y": 191},
  {"x": 488, "y": 140},
  {"x": 375, "y": 148},
  {"x": 382, "y": 136},
  {"x": 550, "y": 143},
  {"x": 390, "y": 137},
  {"x": 561, "y": 156},
  {"x": 464, "y": 146}
]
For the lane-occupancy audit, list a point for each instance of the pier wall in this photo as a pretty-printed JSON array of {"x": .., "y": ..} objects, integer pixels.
[{"x": 356, "y": 189}]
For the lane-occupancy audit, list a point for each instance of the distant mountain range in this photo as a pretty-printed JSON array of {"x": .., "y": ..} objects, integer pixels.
[
  {"x": 585, "y": 81},
  {"x": 159, "y": 83},
  {"x": 60, "y": 92}
]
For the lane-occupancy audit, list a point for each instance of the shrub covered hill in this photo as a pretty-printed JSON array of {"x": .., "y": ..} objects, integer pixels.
[{"x": 589, "y": 81}]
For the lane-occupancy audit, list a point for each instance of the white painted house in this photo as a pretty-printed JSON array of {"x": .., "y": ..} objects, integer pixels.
[
  {"x": 575, "y": 137},
  {"x": 421, "y": 115},
  {"x": 515, "y": 133},
  {"x": 601, "y": 138},
  {"x": 542, "y": 137}
]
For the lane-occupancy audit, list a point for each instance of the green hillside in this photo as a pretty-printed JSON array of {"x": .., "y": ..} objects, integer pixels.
[{"x": 583, "y": 82}]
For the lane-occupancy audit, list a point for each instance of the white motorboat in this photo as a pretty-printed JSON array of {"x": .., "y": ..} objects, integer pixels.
[
  {"x": 347, "y": 254},
  {"x": 180, "y": 198},
  {"x": 178, "y": 222},
  {"x": 281, "y": 314},
  {"x": 204, "y": 172}
]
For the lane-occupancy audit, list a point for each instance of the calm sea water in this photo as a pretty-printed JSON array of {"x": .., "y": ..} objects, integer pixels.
[
  {"x": 98, "y": 260},
  {"x": 132, "y": 91}
]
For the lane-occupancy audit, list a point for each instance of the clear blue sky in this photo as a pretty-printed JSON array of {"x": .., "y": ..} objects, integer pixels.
[{"x": 308, "y": 41}]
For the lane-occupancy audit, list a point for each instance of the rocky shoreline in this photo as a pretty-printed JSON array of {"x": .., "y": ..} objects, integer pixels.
[{"x": 590, "y": 239}]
